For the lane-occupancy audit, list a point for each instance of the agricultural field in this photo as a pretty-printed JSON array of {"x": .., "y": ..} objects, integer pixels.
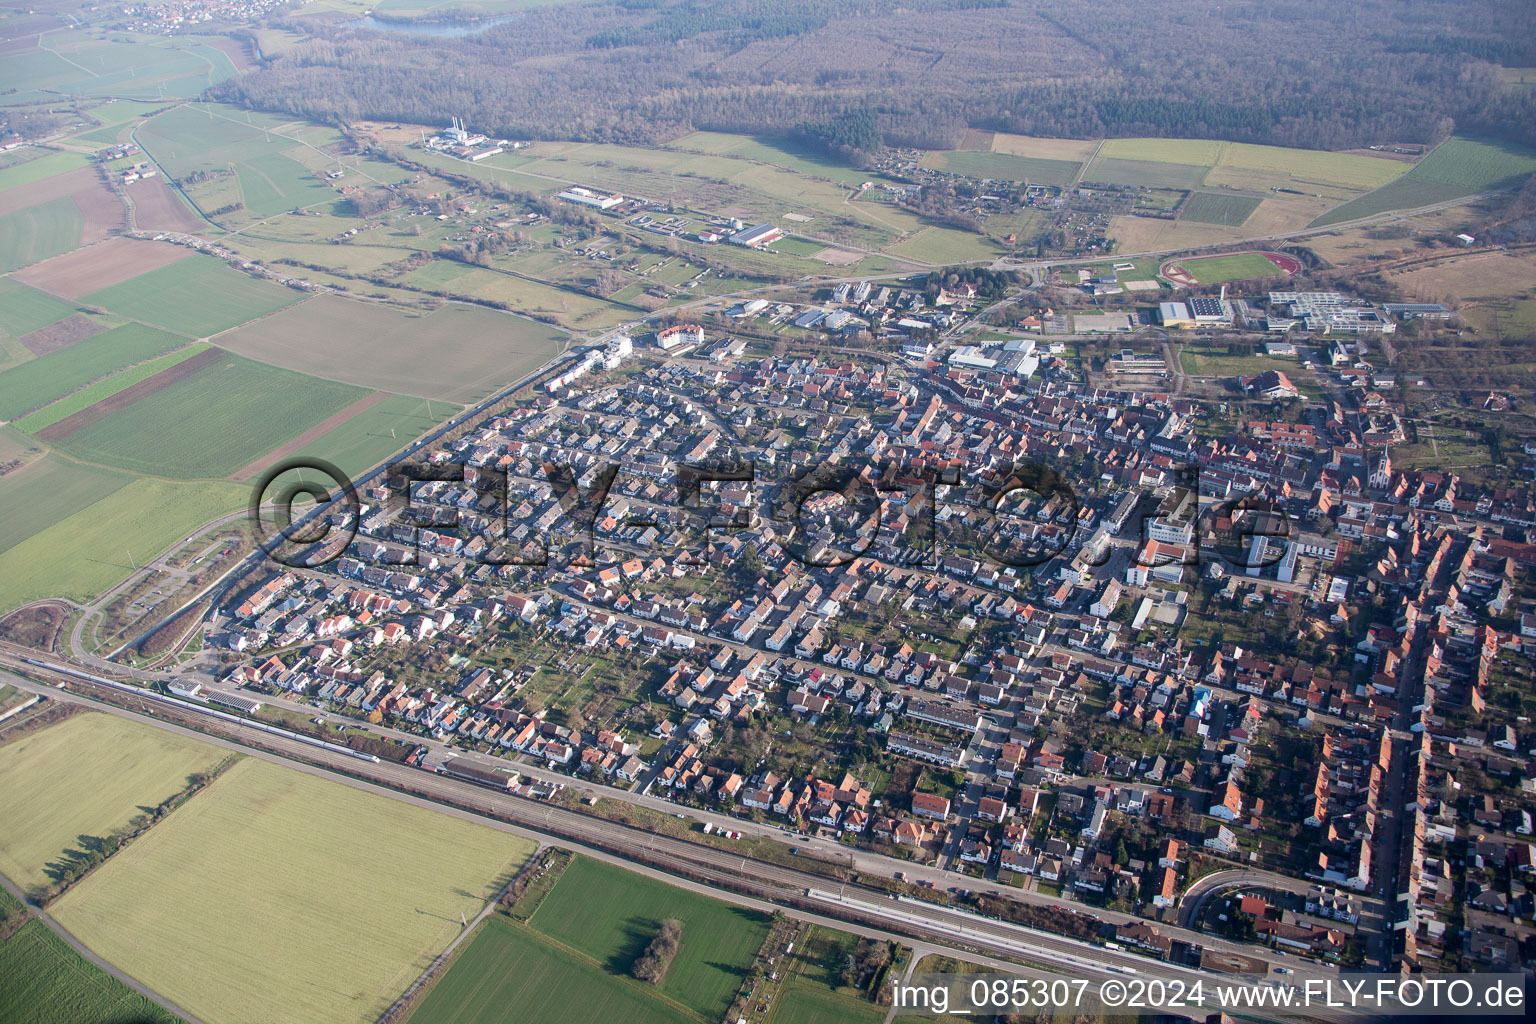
[
  {"x": 198, "y": 297},
  {"x": 1216, "y": 208},
  {"x": 570, "y": 308},
  {"x": 1458, "y": 167},
  {"x": 38, "y": 232},
  {"x": 1078, "y": 151},
  {"x": 940, "y": 246},
  {"x": 505, "y": 966},
  {"x": 203, "y": 421},
  {"x": 779, "y": 152},
  {"x": 87, "y": 775},
  {"x": 455, "y": 353},
  {"x": 274, "y": 183},
  {"x": 49, "y": 490},
  {"x": 96, "y": 548},
  {"x": 1004, "y": 166},
  {"x": 49, "y": 378},
  {"x": 611, "y": 915},
  {"x": 94, "y": 267},
  {"x": 371, "y": 436},
  {"x": 1154, "y": 173},
  {"x": 44, "y": 981},
  {"x": 1164, "y": 151},
  {"x": 103, "y": 389},
  {"x": 24, "y": 310},
  {"x": 121, "y": 65},
  {"x": 299, "y": 898},
  {"x": 45, "y": 164}
]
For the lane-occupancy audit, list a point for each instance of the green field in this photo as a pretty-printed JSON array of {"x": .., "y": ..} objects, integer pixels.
[
  {"x": 1205, "y": 361},
  {"x": 85, "y": 63},
  {"x": 87, "y": 775},
  {"x": 44, "y": 981},
  {"x": 96, "y": 548},
  {"x": 939, "y": 246},
  {"x": 273, "y": 183},
  {"x": 38, "y": 232},
  {"x": 1167, "y": 174},
  {"x": 212, "y": 423},
  {"x": 780, "y": 152},
  {"x": 1170, "y": 151},
  {"x": 49, "y": 378},
  {"x": 378, "y": 432},
  {"x": 197, "y": 296},
  {"x": 298, "y": 898},
  {"x": 1216, "y": 208},
  {"x": 1456, "y": 168},
  {"x": 1004, "y": 166},
  {"x": 24, "y": 310},
  {"x": 46, "y": 165},
  {"x": 47, "y": 491},
  {"x": 506, "y": 972},
  {"x": 455, "y": 353},
  {"x": 1241, "y": 267},
  {"x": 611, "y": 915},
  {"x": 106, "y": 388}
]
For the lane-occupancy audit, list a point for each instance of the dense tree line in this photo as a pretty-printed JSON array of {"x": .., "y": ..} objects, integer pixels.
[
  {"x": 652, "y": 965},
  {"x": 864, "y": 963},
  {"x": 1295, "y": 72}
]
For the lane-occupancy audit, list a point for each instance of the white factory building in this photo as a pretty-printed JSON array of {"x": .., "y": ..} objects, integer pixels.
[{"x": 587, "y": 197}]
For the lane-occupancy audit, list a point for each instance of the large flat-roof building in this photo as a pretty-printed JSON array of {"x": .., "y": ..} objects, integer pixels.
[
  {"x": 1103, "y": 323},
  {"x": 1417, "y": 310},
  {"x": 757, "y": 236},
  {"x": 1174, "y": 314},
  {"x": 1207, "y": 310},
  {"x": 1332, "y": 313},
  {"x": 587, "y": 197}
]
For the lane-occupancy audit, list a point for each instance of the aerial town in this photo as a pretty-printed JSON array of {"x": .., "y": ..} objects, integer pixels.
[
  {"x": 1194, "y": 658},
  {"x": 661, "y": 512}
]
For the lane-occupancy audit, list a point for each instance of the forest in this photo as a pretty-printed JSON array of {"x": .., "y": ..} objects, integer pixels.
[{"x": 1310, "y": 73}]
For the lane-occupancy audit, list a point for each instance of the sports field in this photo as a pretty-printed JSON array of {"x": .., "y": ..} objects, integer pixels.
[
  {"x": 1005, "y": 166},
  {"x": 611, "y": 915},
  {"x": 1243, "y": 266},
  {"x": 297, "y": 898},
  {"x": 44, "y": 981},
  {"x": 198, "y": 297},
  {"x": 456, "y": 353},
  {"x": 87, "y": 775},
  {"x": 1458, "y": 167},
  {"x": 508, "y": 971},
  {"x": 96, "y": 548},
  {"x": 48, "y": 378},
  {"x": 207, "y": 424},
  {"x": 1216, "y": 208},
  {"x": 38, "y": 232}
]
